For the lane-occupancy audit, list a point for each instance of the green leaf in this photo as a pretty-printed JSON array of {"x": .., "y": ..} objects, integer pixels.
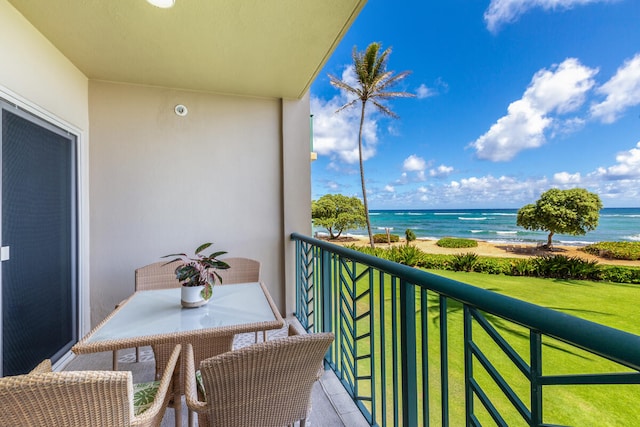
[
  {"x": 217, "y": 254},
  {"x": 202, "y": 247},
  {"x": 207, "y": 291},
  {"x": 178, "y": 255}
]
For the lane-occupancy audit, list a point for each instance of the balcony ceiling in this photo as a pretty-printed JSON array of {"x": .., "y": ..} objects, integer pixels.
[{"x": 242, "y": 47}]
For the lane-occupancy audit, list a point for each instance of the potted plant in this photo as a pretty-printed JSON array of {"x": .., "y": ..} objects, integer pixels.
[{"x": 198, "y": 275}]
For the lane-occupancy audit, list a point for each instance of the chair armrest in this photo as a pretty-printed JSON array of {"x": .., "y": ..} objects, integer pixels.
[
  {"x": 190, "y": 387},
  {"x": 165, "y": 390},
  {"x": 43, "y": 367}
]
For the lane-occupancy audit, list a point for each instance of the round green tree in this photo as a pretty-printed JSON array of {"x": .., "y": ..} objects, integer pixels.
[
  {"x": 338, "y": 213},
  {"x": 573, "y": 212}
]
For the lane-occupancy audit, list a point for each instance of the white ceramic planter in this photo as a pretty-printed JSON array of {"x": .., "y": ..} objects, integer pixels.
[{"x": 191, "y": 296}]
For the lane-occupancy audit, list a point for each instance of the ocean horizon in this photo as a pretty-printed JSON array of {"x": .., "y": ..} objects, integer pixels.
[{"x": 495, "y": 226}]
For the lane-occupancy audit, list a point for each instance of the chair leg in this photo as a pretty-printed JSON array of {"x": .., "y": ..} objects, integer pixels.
[
  {"x": 303, "y": 422},
  {"x": 177, "y": 407},
  {"x": 115, "y": 360}
]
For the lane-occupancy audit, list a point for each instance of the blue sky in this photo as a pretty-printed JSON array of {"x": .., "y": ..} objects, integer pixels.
[{"x": 513, "y": 97}]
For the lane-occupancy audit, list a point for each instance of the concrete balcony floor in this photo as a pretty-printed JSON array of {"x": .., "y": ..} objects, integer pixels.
[{"x": 331, "y": 405}]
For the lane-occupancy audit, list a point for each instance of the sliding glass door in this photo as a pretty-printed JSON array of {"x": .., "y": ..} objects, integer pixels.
[{"x": 39, "y": 241}]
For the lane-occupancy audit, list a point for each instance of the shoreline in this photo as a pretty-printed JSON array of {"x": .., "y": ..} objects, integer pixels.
[{"x": 490, "y": 249}]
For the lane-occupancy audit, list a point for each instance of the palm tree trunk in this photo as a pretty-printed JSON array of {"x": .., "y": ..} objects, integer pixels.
[{"x": 364, "y": 190}]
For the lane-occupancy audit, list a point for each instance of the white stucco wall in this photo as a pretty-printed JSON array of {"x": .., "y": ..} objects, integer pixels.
[
  {"x": 35, "y": 76},
  {"x": 32, "y": 68},
  {"x": 163, "y": 184}
]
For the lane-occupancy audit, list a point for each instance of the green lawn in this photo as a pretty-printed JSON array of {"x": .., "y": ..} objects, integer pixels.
[
  {"x": 614, "y": 305},
  {"x": 610, "y": 304}
]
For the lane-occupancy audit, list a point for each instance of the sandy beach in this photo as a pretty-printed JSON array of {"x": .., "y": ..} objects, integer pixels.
[{"x": 496, "y": 250}]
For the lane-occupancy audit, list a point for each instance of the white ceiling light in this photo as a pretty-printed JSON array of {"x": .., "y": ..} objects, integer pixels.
[{"x": 162, "y": 3}]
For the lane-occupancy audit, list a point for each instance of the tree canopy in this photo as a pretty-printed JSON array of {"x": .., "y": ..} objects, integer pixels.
[
  {"x": 573, "y": 212},
  {"x": 337, "y": 213}
]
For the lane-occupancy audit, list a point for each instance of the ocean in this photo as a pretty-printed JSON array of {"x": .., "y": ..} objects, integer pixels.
[{"x": 497, "y": 226}]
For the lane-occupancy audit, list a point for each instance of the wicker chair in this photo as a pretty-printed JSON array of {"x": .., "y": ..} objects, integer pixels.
[
  {"x": 158, "y": 275},
  {"x": 202, "y": 349},
  {"x": 266, "y": 384},
  {"x": 242, "y": 270},
  {"x": 84, "y": 398}
]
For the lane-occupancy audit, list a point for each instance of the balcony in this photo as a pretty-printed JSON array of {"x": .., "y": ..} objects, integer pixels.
[{"x": 413, "y": 348}]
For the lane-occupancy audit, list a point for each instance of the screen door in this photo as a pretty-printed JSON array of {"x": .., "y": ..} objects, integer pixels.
[{"x": 39, "y": 241}]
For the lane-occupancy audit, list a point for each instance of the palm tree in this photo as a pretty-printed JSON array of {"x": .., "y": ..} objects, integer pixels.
[{"x": 373, "y": 80}]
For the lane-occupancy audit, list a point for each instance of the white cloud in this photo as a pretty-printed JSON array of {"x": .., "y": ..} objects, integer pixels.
[
  {"x": 560, "y": 90},
  {"x": 425, "y": 92},
  {"x": 439, "y": 86},
  {"x": 618, "y": 184},
  {"x": 486, "y": 190},
  {"x": 564, "y": 178},
  {"x": 567, "y": 126},
  {"x": 628, "y": 165},
  {"x": 621, "y": 91},
  {"x": 506, "y": 11},
  {"x": 336, "y": 134},
  {"x": 389, "y": 188},
  {"x": 414, "y": 163},
  {"x": 441, "y": 171}
]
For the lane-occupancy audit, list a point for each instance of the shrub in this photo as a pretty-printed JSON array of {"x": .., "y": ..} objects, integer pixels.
[
  {"x": 490, "y": 265},
  {"x": 437, "y": 261},
  {"x": 523, "y": 267},
  {"x": 407, "y": 255},
  {"x": 615, "y": 250},
  {"x": 464, "y": 262},
  {"x": 382, "y": 238},
  {"x": 564, "y": 267},
  {"x": 378, "y": 252},
  {"x": 620, "y": 274},
  {"x": 584, "y": 270},
  {"x": 555, "y": 266},
  {"x": 450, "y": 242}
]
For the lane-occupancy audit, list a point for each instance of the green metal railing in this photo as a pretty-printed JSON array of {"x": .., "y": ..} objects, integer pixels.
[{"x": 413, "y": 348}]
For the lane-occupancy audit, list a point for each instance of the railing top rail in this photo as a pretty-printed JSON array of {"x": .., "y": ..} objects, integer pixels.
[{"x": 619, "y": 346}]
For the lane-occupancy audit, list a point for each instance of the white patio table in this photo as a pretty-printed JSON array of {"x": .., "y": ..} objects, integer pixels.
[{"x": 156, "y": 317}]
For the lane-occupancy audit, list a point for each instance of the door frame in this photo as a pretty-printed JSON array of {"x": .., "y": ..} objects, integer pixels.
[{"x": 82, "y": 183}]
